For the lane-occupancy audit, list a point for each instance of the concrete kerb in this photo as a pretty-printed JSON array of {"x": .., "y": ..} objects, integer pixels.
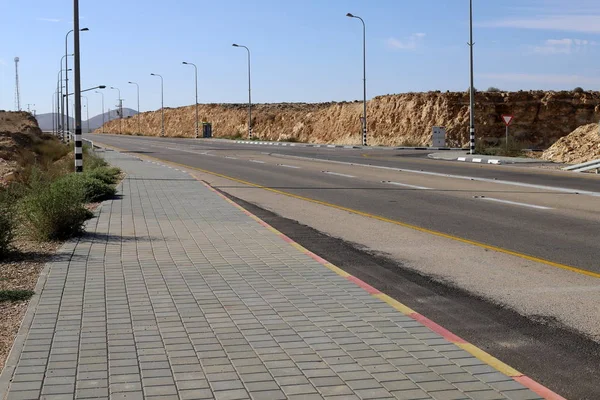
[
  {"x": 452, "y": 338},
  {"x": 337, "y": 146},
  {"x": 482, "y": 159}
]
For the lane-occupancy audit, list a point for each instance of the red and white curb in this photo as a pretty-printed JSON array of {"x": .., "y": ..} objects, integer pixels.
[
  {"x": 479, "y": 160},
  {"x": 446, "y": 334}
]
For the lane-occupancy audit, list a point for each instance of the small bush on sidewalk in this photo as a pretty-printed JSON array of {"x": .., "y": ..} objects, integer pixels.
[
  {"x": 91, "y": 161},
  {"x": 108, "y": 175},
  {"x": 91, "y": 189},
  {"x": 54, "y": 211}
]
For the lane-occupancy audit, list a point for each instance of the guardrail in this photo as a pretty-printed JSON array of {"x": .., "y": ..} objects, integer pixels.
[
  {"x": 587, "y": 166},
  {"x": 90, "y": 142}
]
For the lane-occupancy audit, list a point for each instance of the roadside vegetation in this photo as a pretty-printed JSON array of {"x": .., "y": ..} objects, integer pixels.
[
  {"x": 514, "y": 148},
  {"x": 45, "y": 201}
]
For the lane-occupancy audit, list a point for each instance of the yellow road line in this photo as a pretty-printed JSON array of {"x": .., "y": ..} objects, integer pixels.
[{"x": 391, "y": 221}]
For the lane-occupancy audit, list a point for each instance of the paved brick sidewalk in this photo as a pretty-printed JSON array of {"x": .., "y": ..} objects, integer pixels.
[{"x": 177, "y": 294}]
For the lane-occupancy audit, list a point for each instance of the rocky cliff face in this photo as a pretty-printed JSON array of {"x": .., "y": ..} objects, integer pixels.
[{"x": 541, "y": 118}]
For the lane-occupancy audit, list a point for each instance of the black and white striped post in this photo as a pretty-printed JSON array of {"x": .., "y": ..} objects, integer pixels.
[{"x": 77, "y": 93}]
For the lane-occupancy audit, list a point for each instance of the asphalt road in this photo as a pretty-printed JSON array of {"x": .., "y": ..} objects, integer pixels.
[{"x": 537, "y": 215}]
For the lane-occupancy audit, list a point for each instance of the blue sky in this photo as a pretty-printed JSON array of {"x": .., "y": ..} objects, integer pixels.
[{"x": 301, "y": 50}]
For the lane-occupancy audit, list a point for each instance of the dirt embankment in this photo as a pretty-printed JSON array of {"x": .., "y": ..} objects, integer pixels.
[
  {"x": 541, "y": 118},
  {"x": 15, "y": 128},
  {"x": 582, "y": 145}
]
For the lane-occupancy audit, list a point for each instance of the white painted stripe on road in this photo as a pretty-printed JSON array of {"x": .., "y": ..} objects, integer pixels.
[
  {"x": 466, "y": 178},
  {"x": 288, "y": 166},
  {"x": 515, "y": 203},
  {"x": 257, "y": 161},
  {"x": 408, "y": 186},
  {"x": 231, "y": 158},
  {"x": 338, "y": 174},
  {"x": 462, "y": 158}
]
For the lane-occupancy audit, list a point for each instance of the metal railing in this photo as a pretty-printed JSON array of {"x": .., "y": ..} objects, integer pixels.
[{"x": 587, "y": 166}]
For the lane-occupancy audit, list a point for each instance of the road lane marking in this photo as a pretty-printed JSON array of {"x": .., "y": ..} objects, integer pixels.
[
  {"x": 288, "y": 166},
  {"x": 257, "y": 161},
  {"x": 384, "y": 219},
  {"x": 338, "y": 174},
  {"x": 406, "y": 185},
  {"x": 514, "y": 203},
  {"x": 463, "y": 177},
  {"x": 231, "y": 158}
]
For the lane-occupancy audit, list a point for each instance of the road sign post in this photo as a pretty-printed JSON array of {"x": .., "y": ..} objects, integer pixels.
[{"x": 508, "y": 119}]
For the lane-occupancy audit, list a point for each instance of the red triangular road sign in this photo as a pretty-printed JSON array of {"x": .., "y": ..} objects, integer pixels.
[{"x": 508, "y": 119}]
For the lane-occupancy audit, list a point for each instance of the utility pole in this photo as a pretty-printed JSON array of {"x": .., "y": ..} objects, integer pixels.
[
  {"x": 249, "y": 92},
  {"x": 472, "y": 87},
  {"x": 162, "y": 104},
  {"x": 17, "y": 88},
  {"x": 197, "y": 121},
  {"x": 138, "y": 107},
  {"x": 77, "y": 67},
  {"x": 364, "y": 121}
]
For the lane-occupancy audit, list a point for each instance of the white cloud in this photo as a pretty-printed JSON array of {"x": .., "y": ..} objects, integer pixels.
[
  {"x": 568, "y": 23},
  {"x": 410, "y": 43},
  {"x": 553, "y": 79},
  {"x": 563, "y": 46},
  {"x": 48, "y": 19}
]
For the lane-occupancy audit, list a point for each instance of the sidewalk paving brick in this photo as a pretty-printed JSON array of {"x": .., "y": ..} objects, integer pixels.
[{"x": 175, "y": 293}]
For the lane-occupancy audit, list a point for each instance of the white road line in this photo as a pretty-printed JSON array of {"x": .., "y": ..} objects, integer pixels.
[
  {"x": 338, "y": 174},
  {"x": 408, "y": 186},
  {"x": 257, "y": 161},
  {"x": 288, "y": 166},
  {"x": 514, "y": 203},
  {"x": 462, "y": 158},
  {"x": 231, "y": 158},
  {"x": 466, "y": 178}
]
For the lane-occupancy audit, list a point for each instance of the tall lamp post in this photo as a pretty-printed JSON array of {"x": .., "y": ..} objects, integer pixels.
[
  {"x": 138, "y": 106},
  {"x": 472, "y": 88},
  {"x": 96, "y": 91},
  {"x": 162, "y": 105},
  {"x": 67, "y": 69},
  {"x": 197, "y": 121},
  {"x": 364, "y": 138},
  {"x": 120, "y": 112},
  {"x": 249, "y": 92}
]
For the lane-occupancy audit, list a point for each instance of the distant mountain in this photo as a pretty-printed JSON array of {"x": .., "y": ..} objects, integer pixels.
[{"x": 45, "y": 120}]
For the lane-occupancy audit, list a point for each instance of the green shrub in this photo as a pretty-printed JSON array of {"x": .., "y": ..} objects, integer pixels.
[
  {"x": 90, "y": 188},
  {"x": 15, "y": 295},
  {"x": 7, "y": 222},
  {"x": 91, "y": 160},
  {"x": 108, "y": 175},
  {"x": 55, "y": 211}
]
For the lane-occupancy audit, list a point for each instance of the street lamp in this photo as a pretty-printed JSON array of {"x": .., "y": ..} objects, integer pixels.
[
  {"x": 472, "y": 88},
  {"x": 120, "y": 112},
  {"x": 162, "y": 104},
  {"x": 138, "y": 106},
  {"x": 364, "y": 139},
  {"x": 197, "y": 123},
  {"x": 96, "y": 91},
  {"x": 249, "y": 92},
  {"x": 67, "y": 75}
]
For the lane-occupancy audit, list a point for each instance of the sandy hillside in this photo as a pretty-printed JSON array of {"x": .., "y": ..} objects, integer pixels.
[
  {"x": 14, "y": 126},
  {"x": 541, "y": 118},
  {"x": 582, "y": 145}
]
